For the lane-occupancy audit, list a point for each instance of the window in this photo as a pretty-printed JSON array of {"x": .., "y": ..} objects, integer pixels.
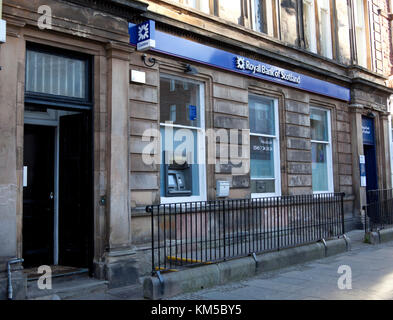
[
  {"x": 264, "y": 18},
  {"x": 264, "y": 146},
  {"x": 309, "y": 25},
  {"x": 231, "y": 10},
  {"x": 182, "y": 140},
  {"x": 317, "y": 27},
  {"x": 202, "y": 5},
  {"x": 322, "y": 170},
  {"x": 325, "y": 31},
  {"x": 343, "y": 32},
  {"x": 57, "y": 75},
  {"x": 360, "y": 29},
  {"x": 288, "y": 21}
]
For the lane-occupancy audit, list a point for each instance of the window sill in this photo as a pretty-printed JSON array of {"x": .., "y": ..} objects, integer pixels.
[
  {"x": 167, "y": 200},
  {"x": 264, "y": 195}
]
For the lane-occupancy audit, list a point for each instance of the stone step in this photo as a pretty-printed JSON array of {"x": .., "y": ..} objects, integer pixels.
[{"x": 67, "y": 287}]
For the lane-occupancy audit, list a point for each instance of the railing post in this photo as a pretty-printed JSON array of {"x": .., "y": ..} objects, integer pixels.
[
  {"x": 149, "y": 209},
  {"x": 365, "y": 218},
  {"x": 278, "y": 222},
  {"x": 224, "y": 227},
  {"x": 342, "y": 213},
  {"x": 320, "y": 225}
]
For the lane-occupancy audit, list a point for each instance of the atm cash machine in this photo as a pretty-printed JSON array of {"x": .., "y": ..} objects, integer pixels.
[{"x": 178, "y": 179}]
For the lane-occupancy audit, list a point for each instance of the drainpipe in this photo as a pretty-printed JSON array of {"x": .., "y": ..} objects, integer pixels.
[{"x": 11, "y": 262}]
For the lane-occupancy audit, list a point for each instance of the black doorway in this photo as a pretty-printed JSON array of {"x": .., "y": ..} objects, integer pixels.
[
  {"x": 67, "y": 213},
  {"x": 38, "y": 195},
  {"x": 75, "y": 221},
  {"x": 371, "y": 167}
]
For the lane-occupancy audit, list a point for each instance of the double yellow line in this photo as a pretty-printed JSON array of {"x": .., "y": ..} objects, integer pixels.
[{"x": 177, "y": 259}]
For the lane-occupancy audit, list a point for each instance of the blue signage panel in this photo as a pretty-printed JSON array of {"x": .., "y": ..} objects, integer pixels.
[
  {"x": 368, "y": 130},
  {"x": 190, "y": 50},
  {"x": 192, "y": 112},
  {"x": 145, "y": 35}
]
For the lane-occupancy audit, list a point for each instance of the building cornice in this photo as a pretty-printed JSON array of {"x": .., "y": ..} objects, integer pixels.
[
  {"x": 128, "y": 9},
  {"x": 340, "y": 73}
]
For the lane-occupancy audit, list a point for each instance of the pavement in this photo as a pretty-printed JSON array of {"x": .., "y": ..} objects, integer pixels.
[
  {"x": 368, "y": 271},
  {"x": 370, "y": 268}
]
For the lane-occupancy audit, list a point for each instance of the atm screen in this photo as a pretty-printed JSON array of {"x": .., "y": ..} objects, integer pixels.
[{"x": 172, "y": 181}]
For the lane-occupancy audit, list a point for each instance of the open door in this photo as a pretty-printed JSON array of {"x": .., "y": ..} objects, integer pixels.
[
  {"x": 38, "y": 204},
  {"x": 75, "y": 191}
]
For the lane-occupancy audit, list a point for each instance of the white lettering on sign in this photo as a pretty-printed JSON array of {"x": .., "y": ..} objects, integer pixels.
[
  {"x": 145, "y": 35},
  {"x": 244, "y": 64},
  {"x": 366, "y": 130}
]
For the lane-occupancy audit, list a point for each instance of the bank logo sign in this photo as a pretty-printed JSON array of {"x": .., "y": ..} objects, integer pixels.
[
  {"x": 146, "y": 35},
  {"x": 246, "y": 65}
]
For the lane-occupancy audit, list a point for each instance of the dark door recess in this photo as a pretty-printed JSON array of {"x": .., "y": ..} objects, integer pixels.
[
  {"x": 38, "y": 203},
  {"x": 75, "y": 194}
]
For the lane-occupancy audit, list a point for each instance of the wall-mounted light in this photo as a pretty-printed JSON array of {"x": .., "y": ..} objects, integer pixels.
[
  {"x": 191, "y": 70},
  {"x": 152, "y": 61}
]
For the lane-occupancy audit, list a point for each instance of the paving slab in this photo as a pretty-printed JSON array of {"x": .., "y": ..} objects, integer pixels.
[{"x": 372, "y": 278}]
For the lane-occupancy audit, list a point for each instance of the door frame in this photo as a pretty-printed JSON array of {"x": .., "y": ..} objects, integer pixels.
[{"x": 52, "y": 118}]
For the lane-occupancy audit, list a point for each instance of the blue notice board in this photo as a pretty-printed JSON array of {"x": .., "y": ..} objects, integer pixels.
[
  {"x": 192, "y": 112},
  {"x": 368, "y": 130}
]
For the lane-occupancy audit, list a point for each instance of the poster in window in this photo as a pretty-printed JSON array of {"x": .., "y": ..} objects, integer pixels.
[{"x": 261, "y": 148}]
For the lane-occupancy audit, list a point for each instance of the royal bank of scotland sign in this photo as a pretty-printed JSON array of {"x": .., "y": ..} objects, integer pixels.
[
  {"x": 146, "y": 35},
  {"x": 261, "y": 68}
]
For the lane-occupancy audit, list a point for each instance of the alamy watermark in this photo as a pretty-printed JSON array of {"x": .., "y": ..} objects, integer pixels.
[
  {"x": 45, "y": 281},
  {"x": 180, "y": 145},
  {"x": 345, "y": 280},
  {"x": 45, "y": 20}
]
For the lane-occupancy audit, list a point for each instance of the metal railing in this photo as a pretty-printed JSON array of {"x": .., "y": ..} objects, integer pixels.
[
  {"x": 379, "y": 209},
  {"x": 193, "y": 233}
]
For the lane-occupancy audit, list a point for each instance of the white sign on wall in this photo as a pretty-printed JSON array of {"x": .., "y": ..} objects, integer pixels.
[
  {"x": 25, "y": 176},
  {"x": 3, "y": 31},
  {"x": 362, "y": 165}
]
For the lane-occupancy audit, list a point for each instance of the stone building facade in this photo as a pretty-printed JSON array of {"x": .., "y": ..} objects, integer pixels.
[{"x": 92, "y": 38}]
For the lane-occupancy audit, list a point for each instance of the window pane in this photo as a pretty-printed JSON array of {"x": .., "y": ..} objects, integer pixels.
[
  {"x": 309, "y": 25},
  {"x": 262, "y": 117},
  {"x": 52, "y": 74},
  {"x": 319, "y": 125},
  {"x": 264, "y": 16},
  {"x": 263, "y": 186},
  {"x": 360, "y": 33},
  {"x": 262, "y": 157},
  {"x": 325, "y": 36},
  {"x": 319, "y": 167},
  {"x": 180, "y": 156},
  {"x": 202, "y": 5},
  {"x": 288, "y": 21},
  {"x": 180, "y": 102},
  {"x": 343, "y": 32},
  {"x": 231, "y": 11}
]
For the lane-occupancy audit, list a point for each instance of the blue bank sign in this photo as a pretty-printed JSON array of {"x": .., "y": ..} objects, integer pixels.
[
  {"x": 146, "y": 35},
  {"x": 265, "y": 69},
  {"x": 193, "y": 51},
  {"x": 368, "y": 130}
]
